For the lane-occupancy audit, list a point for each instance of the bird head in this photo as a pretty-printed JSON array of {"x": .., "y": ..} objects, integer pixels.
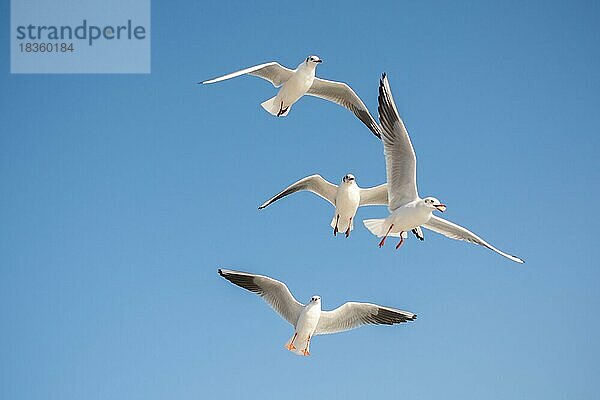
[
  {"x": 348, "y": 178},
  {"x": 313, "y": 60},
  {"x": 432, "y": 202},
  {"x": 315, "y": 300}
]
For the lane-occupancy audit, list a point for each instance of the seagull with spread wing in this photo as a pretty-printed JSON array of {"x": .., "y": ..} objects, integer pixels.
[
  {"x": 407, "y": 209},
  {"x": 346, "y": 198},
  {"x": 309, "y": 320},
  {"x": 296, "y": 83}
]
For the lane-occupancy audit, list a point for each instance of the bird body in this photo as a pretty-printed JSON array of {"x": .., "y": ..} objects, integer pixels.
[
  {"x": 305, "y": 328},
  {"x": 401, "y": 220},
  {"x": 347, "y": 201},
  {"x": 292, "y": 90}
]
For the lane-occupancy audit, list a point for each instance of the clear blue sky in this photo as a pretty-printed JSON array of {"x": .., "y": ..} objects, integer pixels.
[{"x": 117, "y": 208}]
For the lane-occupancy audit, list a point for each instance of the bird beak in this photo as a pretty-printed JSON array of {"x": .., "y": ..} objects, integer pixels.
[
  {"x": 441, "y": 207},
  {"x": 319, "y": 61}
]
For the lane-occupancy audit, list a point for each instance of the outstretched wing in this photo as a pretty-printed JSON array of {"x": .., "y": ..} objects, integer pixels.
[
  {"x": 353, "y": 315},
  {"x": 377, "y": 195},
  {"x": 271, "y": 71},
  {"x": 454, "y": 231},
  {"x": 400, "y": 158},
  {"x": 342, "y": 94},
  {"x": 314, "y": 183},
  {"x": 275, "y": 293}
]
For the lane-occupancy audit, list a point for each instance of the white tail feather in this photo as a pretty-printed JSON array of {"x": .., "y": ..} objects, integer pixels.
[
  {"x": 375, "y": 226},
  {"x": 269, "y": 105},
  {"x": 379, "y": 228}
]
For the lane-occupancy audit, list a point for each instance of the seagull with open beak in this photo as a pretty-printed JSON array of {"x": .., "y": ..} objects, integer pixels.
[{"x": 407, "y": 210}]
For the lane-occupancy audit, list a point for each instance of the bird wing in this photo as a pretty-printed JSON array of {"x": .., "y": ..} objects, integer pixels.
[
  {"x": 400, "y": 158},
  {"x": 275, "y": 293},
  {"x": 454, "y": 231},
  {"x": 314, "y": 183},
  {"x": 377, "y": 195},
  {"x": 353, "y": 315},
  {"x": 271, "y": 71},
  {"x": 342, "y": 94}
]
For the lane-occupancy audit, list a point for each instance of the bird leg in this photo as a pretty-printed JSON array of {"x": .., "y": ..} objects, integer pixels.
[
  {"x": 383, "y": 239},
  {"x": 291, "y": 346},
  {"x": 335, "y": 229},
  {"x": 416, "y": 233},
  {"x": 400, "y": 242},
  {"x": 349, "y": 225},
  {"x": 282, "y": 110},
  {"x": 305, "y": 351}
]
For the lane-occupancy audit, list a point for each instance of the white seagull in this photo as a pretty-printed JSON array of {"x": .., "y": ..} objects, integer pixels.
[
  {"x": 296, "y": 83},
  {"x": 346, "y": 198},
  {"x": 407, "y": 209},
  {"x": 309, "y": 320}
]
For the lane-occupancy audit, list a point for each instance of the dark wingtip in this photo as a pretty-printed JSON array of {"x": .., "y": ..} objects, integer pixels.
[
  {"x": 382, "y": 84},
  {"x": 220, "y": 271}
]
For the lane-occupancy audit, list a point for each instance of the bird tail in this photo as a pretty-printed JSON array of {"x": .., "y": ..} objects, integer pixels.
[
  {"x": 274, "y": 108},
  {"x": 298, "y": 346},
  {"x": 379, "y": 228},
  {"x": 375, "y": 226}
]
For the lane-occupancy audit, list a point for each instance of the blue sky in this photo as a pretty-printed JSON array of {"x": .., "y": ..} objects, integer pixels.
[{"x": 117, "y": 208}]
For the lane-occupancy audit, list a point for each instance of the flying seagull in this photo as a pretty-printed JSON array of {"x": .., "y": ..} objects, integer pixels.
[
  {"x": 309, "y": 320},
  {"x": 296, "y": 83},
  {"x": 346, "y": 198},
  {"x": 407, "y": 209}
]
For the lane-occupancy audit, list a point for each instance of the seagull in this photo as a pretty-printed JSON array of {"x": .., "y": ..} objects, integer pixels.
[
  {"x": 296, "y": 83},
  {"x": 407, "y": 209},
  {"x": 346, "y": 198},
  {"x": 309, "y": 320}
]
